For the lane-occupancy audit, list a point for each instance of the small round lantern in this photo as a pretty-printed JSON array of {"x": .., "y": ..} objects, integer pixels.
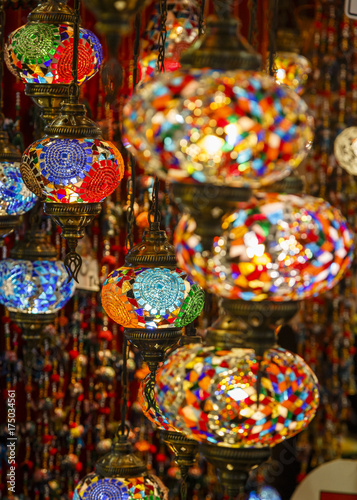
[
  {"x": 292, "y": 69},
  {"x": 40, "y": 53},
  {"x": 151, "y": 298},
  {"x": 345, "y": 149}
]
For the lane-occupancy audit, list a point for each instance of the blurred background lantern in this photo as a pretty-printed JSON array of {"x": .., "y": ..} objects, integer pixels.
[{"x": 41, "y": 53}]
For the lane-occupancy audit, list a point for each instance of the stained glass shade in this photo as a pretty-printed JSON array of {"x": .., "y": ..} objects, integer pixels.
[
  {"x": 234, "y": 128},
  {"x": 38, "y": 287},
  {"x": 43, "y": 53},
  {"x": 277, "y": 248},
  {"x": 211, "y": 395},
  {"x": 143, "y": 297},
  {"x": 94, "y": 487},
  {"x": 68, "y": 170}
]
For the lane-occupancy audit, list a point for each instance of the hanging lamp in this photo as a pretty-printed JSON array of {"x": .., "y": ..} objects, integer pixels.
[
  {"x": 72, "y": 168},
  {"x": 40, "y": 53},
  {"x": 33, "y": 282},
  {"x": 150, "y": 297}
]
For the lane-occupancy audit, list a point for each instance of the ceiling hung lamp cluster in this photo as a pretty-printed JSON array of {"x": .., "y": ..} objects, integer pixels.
[
  {"x": 221, "y": 132},
  {"x": 72, "y": 169},
  {"x": 15, "y": 197}
]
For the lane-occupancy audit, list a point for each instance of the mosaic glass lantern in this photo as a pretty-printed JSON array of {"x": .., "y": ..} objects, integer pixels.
[
  {"x": 120, "y": 475},
  {"x": 278, "y": 248},
  {"x": 292, "y": 69},
  {"x": 73, "y": 170},
  {"x": 15, "y": 198},
  {"x": 34, "y": 284},
  {"x": 40, "y": 53},
  {"x": 232, "y": 128},
  {"x": 150, "y": 297},
  {"x": 212, "y": 395},
  {"x": 181, "y": 32},
  {"x": 345, "y": 149}
]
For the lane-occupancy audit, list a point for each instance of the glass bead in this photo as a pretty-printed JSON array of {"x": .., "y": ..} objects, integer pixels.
[
  {"x": 211, "y": 395},
  {"x": 139, "y": 297},
  {"x": 278, "y": 248},
  {"x": 233, "y": 128},
  {"x": 38, "y": 287}
]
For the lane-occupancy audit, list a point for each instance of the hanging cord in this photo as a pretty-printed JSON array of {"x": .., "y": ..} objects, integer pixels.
[
  {"x": 124, "y": 382},
  {"x": 154, "y": 212},
  {"x": 130, "y": 216},
  {"x": 162, "y": 36},
  {"x": 201, "y": 21},
  {"x": 2, "y": 39},
  {"x": 252, "y": 34},
  {"x": 274, "y": 11},
  {"x": 73, "y": 90},
  {"x": 223, "y": 9}
]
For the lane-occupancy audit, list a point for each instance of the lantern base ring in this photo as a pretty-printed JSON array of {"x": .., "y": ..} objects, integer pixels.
[
  {"x": 8, "y": 223},
  {"x": 32, "y": 324},
  {"x": 153, "y": 344},
  {"x": 72, "y": 218},
  {"x": 234, "y": 464}
]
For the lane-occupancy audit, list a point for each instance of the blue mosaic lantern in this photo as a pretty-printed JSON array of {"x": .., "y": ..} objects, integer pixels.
[
  {"x": 34, "y": 284},
  {"x": 15, "y": 197}
]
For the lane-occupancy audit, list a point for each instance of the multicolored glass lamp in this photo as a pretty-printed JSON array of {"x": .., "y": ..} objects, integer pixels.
[
  {"x": 291, "y": 68},
  {"x": 120, "y": 475},
  {"x": 184, "y": 449},
  {"x": 210, "y": 131},
  {"x": 15, "y": 197},
  {"x": 150, "y": 297},
  {"x": 237, "y": 405},
  {"x": 40, "y": 53},
  {"x": 181, "y": 32},
  {"x": 33, "y": 283},
  {"x": 72, "y": 169}
]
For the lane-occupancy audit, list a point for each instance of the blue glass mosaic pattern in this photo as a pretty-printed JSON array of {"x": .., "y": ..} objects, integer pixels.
[
  {"x": 34, "y": 287},
  {"x": 264, "y": 493},
  {"x": 15, "y": 197}
]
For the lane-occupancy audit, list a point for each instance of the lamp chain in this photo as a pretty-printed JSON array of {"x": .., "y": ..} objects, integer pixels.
[
  {"x": 252, "y": 34},
  {"x": 162, "y": 36},
  {"x": 130, "y": 216},
  {"x": 124, "y": 382},
  {"x": 73, "y": 90},
  {"x": 2, "y": 38},
  {"x": 154, "y": 213},
  {"x": 201, "y": 21},
  {"x": 274, "y": 10},
  {"x": 223, "y": 8}
]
